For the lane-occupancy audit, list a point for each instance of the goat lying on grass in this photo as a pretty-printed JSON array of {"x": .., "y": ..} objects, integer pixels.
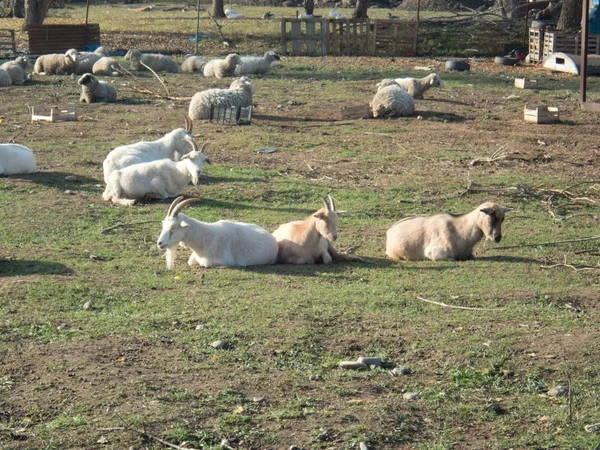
[
  {"x": 445, "y": 237},
  {"x": 223, "y": 243},
  {"x": 310, "y": 240}
]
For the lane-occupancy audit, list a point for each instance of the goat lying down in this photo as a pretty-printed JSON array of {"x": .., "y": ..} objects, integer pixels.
[
  {"x": 310, "y": 240},
  {"x": 222, "y": 243},
  {"x": 445, "y": 237}
]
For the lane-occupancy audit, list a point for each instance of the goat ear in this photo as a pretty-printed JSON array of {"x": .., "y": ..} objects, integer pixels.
[
  {"x": 319, "y": 215},
  {"x": 488, "y": 211},
  {"x": 184, "y": 224},
  {"x": 186, "y": 156},
  {"x": 507, "y": 209}
]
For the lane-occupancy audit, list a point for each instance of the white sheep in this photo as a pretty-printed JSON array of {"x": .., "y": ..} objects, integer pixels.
[
  {"x": 56, "y": 63},
  {"x": 418, "y": 86},
  {"x": 193, "y": 64},
  {"x": 156, "y": 61},
  {"x": 256, "y": 64},
  {"x": 172, "y": 145},
  {"x": 107, "y": 66},
  {"x": 94, "y": 90},
  {"x": 222, "y": 243},
  {"x": 392, "y": 101},
  {"x": 5, "y": 80},
  {"x": 17, "y": 69},
  {"x": 239, "y": 94},
  {"x": 86, "y": 60},
  {"x": 445, "y": 237},
  {"x": 16, "y": 159},
  {"x": 156, "y": 179},
  {"x": 310, "y": 240},
  {"x": 222, "y": 68},
  {"x": 232, "y": 14}
]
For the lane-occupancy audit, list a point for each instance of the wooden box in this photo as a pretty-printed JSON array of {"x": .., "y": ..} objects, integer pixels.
[
  {"x": 524, "y": 83},
  {"x": 356, "y": 112},
  {"x": 536, "y": 45},
  {"x": 56, "y": 114},
  {"x": 541, "y": 114}
]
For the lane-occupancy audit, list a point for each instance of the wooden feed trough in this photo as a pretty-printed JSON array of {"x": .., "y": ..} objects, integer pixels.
[
  {"x": 541, "y": 114},
  {"x": 45, "y": 39},
  {"x": 356, "y": 112},
  {"x": 56, "y": 114},
  {"x": 525, "y": 83},
  {"x": 230, "y": 115}
]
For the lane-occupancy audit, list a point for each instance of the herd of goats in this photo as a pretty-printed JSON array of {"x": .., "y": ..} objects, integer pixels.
[{"x": 161, "y": 169}]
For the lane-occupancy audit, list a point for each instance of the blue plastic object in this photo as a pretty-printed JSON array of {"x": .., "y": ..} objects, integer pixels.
[
  {"x": 200, "y": 37},
  {"x": 594, "y": 22},
  {"x": 90, "y": 47}
]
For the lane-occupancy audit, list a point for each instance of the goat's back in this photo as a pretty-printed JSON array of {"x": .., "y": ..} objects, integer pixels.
[
  {"x": 409, "y": 238},
  {"x": 16, "y": 159}
]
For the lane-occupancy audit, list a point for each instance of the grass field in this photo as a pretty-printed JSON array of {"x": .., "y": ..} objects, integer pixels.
[{"x": 140, "y": 356}]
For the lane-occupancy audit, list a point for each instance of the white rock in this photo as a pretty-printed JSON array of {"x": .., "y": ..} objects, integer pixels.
[
  {"x": 371, "y": 361},
  {"x": 352, "y": 365},
  {"x": 410, "y": 396}
]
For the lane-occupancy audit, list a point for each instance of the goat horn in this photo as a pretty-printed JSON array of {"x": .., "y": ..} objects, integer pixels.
[
  {"x": 189, "y": 124},
  {"x": 192, "y": 143},
  {"x": 332, "y": 202},
  {"x": 183, "y": 204},
  {"x": 327, "y": 207},
  {"x": 203, "y": 147},
  {"x": 175, "y": 202}
]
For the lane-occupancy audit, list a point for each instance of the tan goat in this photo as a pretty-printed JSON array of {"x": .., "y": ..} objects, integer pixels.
[
  {"x": 445, "y": 237},
  {"x": 310, "y": 241}
]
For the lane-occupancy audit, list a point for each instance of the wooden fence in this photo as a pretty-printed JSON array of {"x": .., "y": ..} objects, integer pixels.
[
  {"x": 7, "y": 41},
  {"x": 60, "y": 38},
  {"x": 320, "y": 37}
]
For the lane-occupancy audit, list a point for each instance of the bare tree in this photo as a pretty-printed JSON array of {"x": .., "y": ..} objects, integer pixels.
[
  {"x": 309, "y": 6},
  {"x": 18, "y": 8},
  {"x": 570, "y": 15},
  {"x": 35, "y": 12},
  {"x": 217, "y": 9},
  {"x": 360, "y": 10}
]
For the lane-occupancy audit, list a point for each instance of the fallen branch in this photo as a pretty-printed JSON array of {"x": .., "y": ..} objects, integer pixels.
[
  {"x": 568, "y": 241},
  {"x": 157, "y": 77},
  {"x": 219, "y": 26},
  {"x": 570, "y": 266},
  {"x": 121, "y": 224},
  {"x": 445, "y": 305},
  {"x": 496, "y": 156}
]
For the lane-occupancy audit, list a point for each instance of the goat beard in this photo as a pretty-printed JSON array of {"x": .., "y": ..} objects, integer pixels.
[{"x": 170, "y": 256}]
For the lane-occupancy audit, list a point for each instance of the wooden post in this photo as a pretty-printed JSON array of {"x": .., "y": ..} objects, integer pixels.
[
  {"x": 296, "y": 37},
  {"x": 311, "y": 38},
  {"x": 418, "y": 24},
  {"x": 283, "y": 32},
  {"x": 324, "y": 37},
  {"x": 197, "y": 25},
  {"x": 583, "y": 57}
]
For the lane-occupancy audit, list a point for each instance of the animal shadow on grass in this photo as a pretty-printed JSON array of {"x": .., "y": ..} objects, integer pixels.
[
  {"x": 57, "y": 180},
  {"x": 508, "y": 259},
  {"x": 211, "y": 179},
  {"x": 11, "y": 268},
  {"x": 440, "y": 116}
]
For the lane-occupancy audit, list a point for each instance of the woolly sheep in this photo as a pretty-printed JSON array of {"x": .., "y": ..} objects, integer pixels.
[
  {"x": 392, "y": 101},
  {"x": 16, "y": 159},
  {"x": 56, "y": 63},
  {"x": 156, "y": 179},
  {"x": 239, "y": 94},
  {"x": 94, "y": 90},
  {"x": 17, "y": 69},
  {"x": 256, "y": 64},
  {"x": 5, "y": 80},
  {"x": 445, "y": 237},
  {"x": 172, "y": 145},
  {"x": 310, "y": 240},
  {"x": 222, "y": 243},
  {"x": 157, "y": 62},
  {"x": 193, "y": 64},
  {"x": 418, "y": 86},
  {"x": 86, "y": 60},
  {"x": 107, "y": 66},
  {"x": 222, "y": 68}
]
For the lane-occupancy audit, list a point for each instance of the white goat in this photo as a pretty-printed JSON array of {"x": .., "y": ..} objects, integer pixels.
[
  {"x": 256, "y": 64},
  {"x": 239, "y": 94},
  {"x": 222, "y": 68},
  {"x": 156, "y": 61},
  {"x": 418, "y": 86},
  {"x": 56, "y": 63},
  {"x": 445, "y": 237},
  {"x": 172, "y": 145},
  {"x": 310, "y": 240},
  {"x": 223, "y": 243},
  {"x": 16, "y": 159},
  {"x": 156, "y": 179}
]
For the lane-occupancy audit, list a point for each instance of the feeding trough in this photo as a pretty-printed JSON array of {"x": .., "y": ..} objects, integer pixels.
[
  {"x": 56, "y": 114},
  {"x": 356, "y": 112},
  {"x": 230, "y": 115},
  {"x": 541, "y": 114}
]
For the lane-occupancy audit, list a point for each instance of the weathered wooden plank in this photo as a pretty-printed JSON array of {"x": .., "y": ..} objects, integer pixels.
[
  {"x": 296, "y": 38},
  {"x": 283, "y": 37}
]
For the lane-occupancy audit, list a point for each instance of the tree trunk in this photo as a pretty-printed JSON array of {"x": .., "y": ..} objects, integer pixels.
[
  {"x": 217, "y": 9},
  {"x": 309, "y": 6},
  {"x": 570, "y": 15},
  {"x": 502, "y": 9},
  {"x": 360, "y": 10},
  {"x": 18, "y": 9},
  {"x": 35, "y": 12}
]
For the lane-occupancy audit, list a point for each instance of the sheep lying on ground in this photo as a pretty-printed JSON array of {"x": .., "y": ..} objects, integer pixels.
[
  {"x": 5, "y": 80},
  {"x": 16, "y": 159},
  {"x": 418, "y": 86},
  {"x": 156, "y": 179},
  {"x": 222, "y": 68},
  {"x": 392, "y": 101},
  {"x": 239, "y": 94},
  {"x": 94, "y": 90},
  {"x": 444, "y": 236},
  {"x": 86, "y": 60},
  {"x": 256, "y": 64},
  {"x": 232, "y": 14},
  {"x": 56, "y": 63},
  {"x": 17, "y": 69},
  {"x": 157, "y": 62},
  {"x": 172, "y": 145},
  {"x": 193, "y": 64},
  {"x": 107, "y": 66},
  {"x": 310, "y": 240},
  {"x": 223, "y": 243}
]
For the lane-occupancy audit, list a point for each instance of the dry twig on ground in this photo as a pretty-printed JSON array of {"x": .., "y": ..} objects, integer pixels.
[{"x": 445, "y": 305}]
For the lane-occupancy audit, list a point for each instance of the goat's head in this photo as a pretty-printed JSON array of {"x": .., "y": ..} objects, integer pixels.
[
  {"x": 491, "y": 220},
  {"x": 174, "y": 229},
  {"x": 178, "y": 141},
  {"x": 197, "y": 158},
  {"x": 327, "y": 220},
  {"x": 435, "y": 80}
]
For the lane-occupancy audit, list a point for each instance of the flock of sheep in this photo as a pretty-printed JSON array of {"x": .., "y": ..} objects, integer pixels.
[{"x": 161, "y": 169}]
